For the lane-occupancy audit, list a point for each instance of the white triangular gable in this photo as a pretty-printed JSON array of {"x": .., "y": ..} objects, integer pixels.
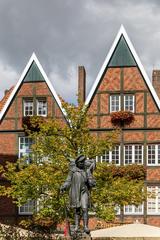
[
  {"x": 35, "y": 59},
  {"x": 123, "y": 32}
]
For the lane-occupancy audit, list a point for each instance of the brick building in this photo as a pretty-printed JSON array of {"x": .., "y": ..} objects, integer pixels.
[
  {"x": 122, "y": 84},
  {"x": 32, "y": 95}
]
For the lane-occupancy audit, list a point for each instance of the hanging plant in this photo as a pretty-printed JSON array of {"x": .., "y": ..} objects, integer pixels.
[
  {"x": 122, "y": 118},
  {"x": 32, "y": 123}
]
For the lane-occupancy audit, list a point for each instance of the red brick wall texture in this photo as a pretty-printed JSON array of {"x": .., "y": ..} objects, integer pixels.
[
  {"x": 15, "y": 109},
  {"x": 115, "y": 80},
  {"x": 128, "y": 80},
  {"x": 9, "y": 140}
]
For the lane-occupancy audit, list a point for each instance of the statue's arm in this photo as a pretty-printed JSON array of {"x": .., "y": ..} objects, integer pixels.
[{"x": 67, "y": 183}]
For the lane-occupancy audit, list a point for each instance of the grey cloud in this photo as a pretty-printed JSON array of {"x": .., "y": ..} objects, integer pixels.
[{"x": 68, "y": 33}]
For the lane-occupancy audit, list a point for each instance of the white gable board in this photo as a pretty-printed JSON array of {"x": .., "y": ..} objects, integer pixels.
[
  {"x": 121, "y": 32},
  {"x": 14, "y": 91}
]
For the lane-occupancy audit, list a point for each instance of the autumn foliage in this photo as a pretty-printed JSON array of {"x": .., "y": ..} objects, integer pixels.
[{"x": 55, "y": 143}]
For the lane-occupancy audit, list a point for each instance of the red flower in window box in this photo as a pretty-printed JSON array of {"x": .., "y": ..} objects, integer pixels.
[
  {"x": 32, "y": 123},
  {"x": 122, "y": 118}
]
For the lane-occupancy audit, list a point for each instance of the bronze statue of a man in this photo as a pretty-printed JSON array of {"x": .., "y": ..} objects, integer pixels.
[{"x": 80, "y": 180}]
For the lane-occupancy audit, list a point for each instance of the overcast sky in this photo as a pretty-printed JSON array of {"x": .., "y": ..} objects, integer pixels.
[{"x": 68, "y": 33}]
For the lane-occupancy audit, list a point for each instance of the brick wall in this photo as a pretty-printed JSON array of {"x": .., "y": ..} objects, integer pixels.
[
  {"x": 111, "y": 80},
  {"x": 124, "y": 80},
  {"x": 12, "y": 121},
  {"x": 133, "y": 79}
]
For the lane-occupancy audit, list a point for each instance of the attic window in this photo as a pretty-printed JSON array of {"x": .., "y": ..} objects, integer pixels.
[
  {"x": 42, "y": 107},
  {"x": 125, "y": 102},
  {"x": 129, "y": 102},
  {"x": 36, "y": 106},
  {"x": 28, "y": 107},
  {"x": 115, "y": 103}
]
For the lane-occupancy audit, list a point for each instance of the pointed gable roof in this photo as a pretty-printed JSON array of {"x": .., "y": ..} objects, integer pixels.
[
  {"x": 36, "y": 72},
  {"x": 117, "y": 57},
  {"x": 122, "y": 55}
]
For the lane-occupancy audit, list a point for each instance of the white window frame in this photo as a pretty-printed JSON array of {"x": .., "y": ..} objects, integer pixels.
[
  {"x": 26, "y": 150},
  {"x": 119, "y": 100},
  {"x": 25, "y": 104},
  {"x": 153, "y": 202},
  {"x": 96, "y": 159},
  {"x": 131, "y": 95},
  {"x": 134, "y": 210},
  {"x": 109, "y": 154},
  {"x": 133, "y": 154},
  {"x": 156, "y": 155},
  {"x": 117, "y": 210},
  {"x": 25, "y": 209},
  {"x": 38, "y": 102}
]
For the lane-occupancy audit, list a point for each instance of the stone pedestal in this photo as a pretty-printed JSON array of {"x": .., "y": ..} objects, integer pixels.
[{"x": 80, "y": 236}]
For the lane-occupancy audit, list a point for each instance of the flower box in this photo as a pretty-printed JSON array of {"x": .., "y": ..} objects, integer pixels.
[{"x": 122, "y": 118}]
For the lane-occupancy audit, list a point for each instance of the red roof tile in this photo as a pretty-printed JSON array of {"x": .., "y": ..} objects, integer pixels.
[{"x": 5, "y": 98}]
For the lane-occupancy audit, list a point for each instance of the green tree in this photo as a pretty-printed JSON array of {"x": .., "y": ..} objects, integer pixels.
[
  {"x": 118, "y": 186},
  {"x": 55, "y": 143}
]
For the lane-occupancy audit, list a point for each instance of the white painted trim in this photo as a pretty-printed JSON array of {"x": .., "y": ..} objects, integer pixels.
[
  {"x": 110, "y": 156},
  {"x": 156, "y": 155},
  {"x": 133, "y": 210},
  {"x": 155, "y": 199},
  {"x": 37, "y": 107},
  {"x": 123, "y": 32},
  {"x": 110, "y": 102},
  {"x": 26, "y": 213},
  {"x": 133, "y": 102},
  {"x": 133, "y": 153},
  {"x": 24, "y": 106},
  {"x": 32, "y": 58}
]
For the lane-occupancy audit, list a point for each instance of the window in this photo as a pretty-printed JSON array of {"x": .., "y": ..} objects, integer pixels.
[
  {"x": 112, "y": 156},
  {"x": 129, "y": 103},
  {"x": 38, "y": 107},
  {"x": 27, "y": 208},
  {"x": 114, "y": 103},
  {"x": 25, "y": 148},
  {"x": 153, "y": 202},
  {"x": 117, "y": 210},
  {"x": 41, "y": 107},
  {"x": 153, "y": 154},
  {"x": 131, "y": 209},
  {"x": 28, "y": 107},
  {"x": 133, "y": 154}
]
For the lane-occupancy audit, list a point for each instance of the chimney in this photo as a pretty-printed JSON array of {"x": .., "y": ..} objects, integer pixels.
[
  {"x": 6, "y": 91},
  {"x": 156, "y": 81},
  {"x": 81, "y": 83}
]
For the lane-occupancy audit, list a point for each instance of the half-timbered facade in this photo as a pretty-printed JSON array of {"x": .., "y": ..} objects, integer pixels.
[
  {"x": 123, "y": 85},
  {"x": 32, "y": 95}
]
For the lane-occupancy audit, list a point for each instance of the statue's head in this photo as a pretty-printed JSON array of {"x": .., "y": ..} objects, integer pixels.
[{"x": 80, "y": 161}]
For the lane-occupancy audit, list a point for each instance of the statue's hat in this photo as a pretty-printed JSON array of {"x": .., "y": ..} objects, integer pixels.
[{"x": 80, "y": 158}]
